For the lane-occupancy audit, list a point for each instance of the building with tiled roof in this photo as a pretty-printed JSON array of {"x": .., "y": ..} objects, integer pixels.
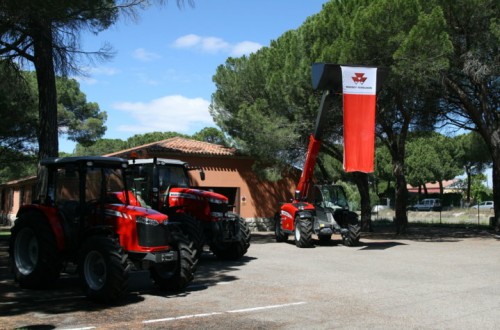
[
  {"x": 178, "y": 145},
  {"x": 227, "y": 171},
  {"x": 434, "y": 187}
]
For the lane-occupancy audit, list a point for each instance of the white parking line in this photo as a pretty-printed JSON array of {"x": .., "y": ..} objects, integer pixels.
[
  {"x": 265, "y": 307},
  {"x": 246, "y": 310},
  {"x": 182, "y": 317}
]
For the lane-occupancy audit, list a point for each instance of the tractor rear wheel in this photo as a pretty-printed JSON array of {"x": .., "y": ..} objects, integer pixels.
[
  {"x": 34, "y": 258},
  {"x": 104, "y": 269},
  {"x": 303, "y": 232},
  {"x": 176, "y": 277},
  {"x": 278, "y": 232},
  {"x": 351, "y": 238}
]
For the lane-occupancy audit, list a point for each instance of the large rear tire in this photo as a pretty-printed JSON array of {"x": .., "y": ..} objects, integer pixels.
[
  {"x": 278, "y": 232},
  {"x": 176, "y": 277},
  {"x": 303, "y": 232},
  {"x": 104, "y": 270},
  {"x": 34, "y": 258}
]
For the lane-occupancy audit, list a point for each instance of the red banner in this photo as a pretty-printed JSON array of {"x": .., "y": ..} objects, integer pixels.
[{"x": 359, "y": 87}]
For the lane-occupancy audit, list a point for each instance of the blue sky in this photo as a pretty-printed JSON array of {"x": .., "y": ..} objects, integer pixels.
[{"x": 161, "y": 76}]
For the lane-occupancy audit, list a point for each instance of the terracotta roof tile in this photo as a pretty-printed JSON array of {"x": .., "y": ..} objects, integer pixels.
[{"x": 182, "y": 145}]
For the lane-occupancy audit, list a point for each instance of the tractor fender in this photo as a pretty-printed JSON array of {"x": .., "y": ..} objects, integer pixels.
[
  {"x": 290, "y": 211},
  {"x": 51, "y": 216},
  {"x": 304, "y": 214}
]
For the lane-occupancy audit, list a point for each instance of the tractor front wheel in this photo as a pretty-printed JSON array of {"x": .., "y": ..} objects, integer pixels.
[
  {"x": 34, "y": 258},
  {"x": 303, "y": 232},
  {"x": 237, "y": 249},
  {"x": 104, "y": 269},
  {"x": 278, "y": 232},
  {"x": 176, "y": 277},
  {"x": 193, "y": 230}
]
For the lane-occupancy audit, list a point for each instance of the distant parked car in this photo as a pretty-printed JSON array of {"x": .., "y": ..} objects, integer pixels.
[
  {"x": 428, "y": 204},
  {"x": 378, "y": 208},
  {"x": 488, "y": 205}
]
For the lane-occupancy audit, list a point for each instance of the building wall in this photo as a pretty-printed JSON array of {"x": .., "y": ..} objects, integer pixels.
[
  {"x": 257, "y": 198},
  {"x": 13, "y": 195}
]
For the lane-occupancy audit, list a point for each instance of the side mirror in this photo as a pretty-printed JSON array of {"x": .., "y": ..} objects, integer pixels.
[
  {"x": 297, "y": 195},
  {"x": 202, "y": 175}
]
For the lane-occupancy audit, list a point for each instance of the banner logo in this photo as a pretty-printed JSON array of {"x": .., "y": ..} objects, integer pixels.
[{"x": 359, "y": 78}]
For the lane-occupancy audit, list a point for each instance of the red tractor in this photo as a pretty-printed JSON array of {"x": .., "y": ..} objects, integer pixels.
[
  {"x": 322, "y": 210},
  {"x": 164, "y": 185},
  {"x": 82, "y": 218}
]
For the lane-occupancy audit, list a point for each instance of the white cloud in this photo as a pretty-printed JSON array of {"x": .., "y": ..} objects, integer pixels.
[
  {"x": 86, "y": 80},
  {"x": 170, "y": 113},
  {"x": 245, "y": 48},
  {"x": 215, "y": 45},
  {"x": 187, "y": 41},
  {"x": 143, "y": 55}
]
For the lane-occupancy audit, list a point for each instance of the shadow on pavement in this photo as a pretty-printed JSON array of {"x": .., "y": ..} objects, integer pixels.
[{"x": 66, "y": 295}]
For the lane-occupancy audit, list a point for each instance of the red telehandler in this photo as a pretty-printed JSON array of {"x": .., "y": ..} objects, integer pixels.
[{"x": 318, "y": 209}]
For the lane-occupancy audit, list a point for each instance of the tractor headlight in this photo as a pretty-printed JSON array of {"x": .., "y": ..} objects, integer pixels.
[
  {"x": 146, "y": 221},
  {"x": 215, "y": 201}
]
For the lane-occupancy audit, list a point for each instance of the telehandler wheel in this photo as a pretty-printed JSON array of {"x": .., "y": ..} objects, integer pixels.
[
  {"x": 278, "y": 232},
  {"x": 193, "y": 230},
  {"x": 33, "y": 254},
  {"x": 351, "y": 238},
  {"x": 104, "y": 269},
  {"x": 234, "y": 250},
  {"x": 176, "y": 277},
  {"x": 303, "y": 232}
]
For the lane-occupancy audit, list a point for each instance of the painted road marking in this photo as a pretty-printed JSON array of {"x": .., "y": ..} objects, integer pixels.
[{"x": 246, "y": 310}]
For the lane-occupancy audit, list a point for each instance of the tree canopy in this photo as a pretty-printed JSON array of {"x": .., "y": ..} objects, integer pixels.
[
  {"x": 83, "y": 122},
  {"x": 46, "y": 35},
  {"x": 265, "y": 101}
]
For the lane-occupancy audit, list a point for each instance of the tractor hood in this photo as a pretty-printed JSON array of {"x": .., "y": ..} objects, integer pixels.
[
  {"x": 198, "y": 194},
  {"x": 131, "y": 212}
]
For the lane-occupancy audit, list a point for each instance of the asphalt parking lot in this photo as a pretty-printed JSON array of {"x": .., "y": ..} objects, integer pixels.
[{"x": 425, "y": 280}]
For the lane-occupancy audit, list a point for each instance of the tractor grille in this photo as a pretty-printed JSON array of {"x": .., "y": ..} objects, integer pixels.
[
  {"x": 153, "y": 235},
  {"x": 219, "y": 207}
]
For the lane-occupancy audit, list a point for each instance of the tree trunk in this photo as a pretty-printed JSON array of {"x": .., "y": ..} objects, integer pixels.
[
  {"x": 47, "y": 95},
  {"x": 361, "y": 180},
  {"x": 401, "y": 217},
  {"x": 441, "y": 188},
  {"x": 496, "y": 188},
  {"x": 469, "y": 183}
]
